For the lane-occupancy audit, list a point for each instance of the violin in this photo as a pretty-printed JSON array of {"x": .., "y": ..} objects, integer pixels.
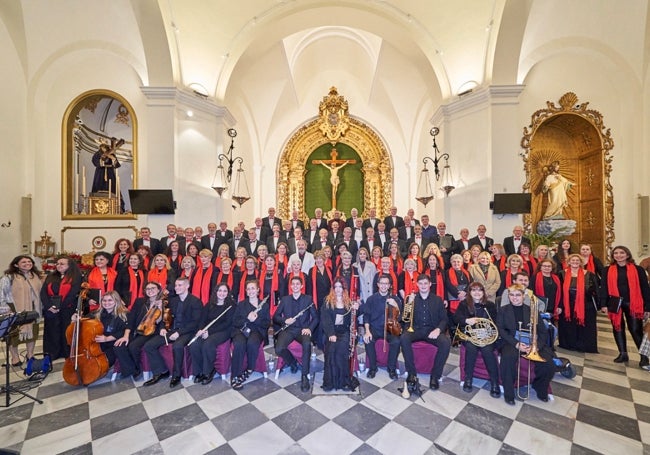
[
  {"x": 393, "y": 325},
  {"x": 148, "y": 325},
  {"x": 87, "y": 362}
]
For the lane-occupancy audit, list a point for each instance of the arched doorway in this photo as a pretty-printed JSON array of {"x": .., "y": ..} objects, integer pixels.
[
  {"x": 376, "y": 164},
  {"x": 572, "y": 142}
]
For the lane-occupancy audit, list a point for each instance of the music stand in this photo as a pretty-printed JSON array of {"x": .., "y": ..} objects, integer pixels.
[{"x": 7, "y": 324}]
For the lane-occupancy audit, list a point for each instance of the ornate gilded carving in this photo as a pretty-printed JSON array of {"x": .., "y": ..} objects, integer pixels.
[
  {"x": 591, "y": 137},
  {"x": 377, "y": 165}
]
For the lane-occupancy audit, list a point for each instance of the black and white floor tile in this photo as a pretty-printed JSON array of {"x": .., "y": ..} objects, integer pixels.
[{"x": 604, "y": 409}]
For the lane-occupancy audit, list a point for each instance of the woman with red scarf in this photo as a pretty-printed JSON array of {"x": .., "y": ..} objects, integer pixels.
[
  {"x": 396, "y": 261},
  {"x": 123, "y": 248},
  {"x": 562, "y": 254},
  {"x": 375, "y": 256},
  {"x": 592, "y": 263},
  {"x": 101, "y": 278},
  {"x": 130, "y": 281},
  {"x": 205, "y": 277},
  {"x": 225, "y": 276},
  {"x": 174, "y": 257},
  {"x": 434, "y": 250},
  {"x": 407, "y": 281},
  {"x": 625, "y": 296},
  {"x": 270, "y": 283},
  {"x": 59, "y": 299},
  {"x": 250, "y": 273},
  {"x": 435, "y": 272},
  {"x": 414, "y": 253},
  {"x": 577, "y": 320},
  {"x": 162, "y": 273},
  {"x": 456, "y": 284},
  {"x": 529, "y": 262},
  {"x": 514, "y": 265},
  {"x": 498, "y": 256},
  {"x": 545, "y": 283},
  {"x": 145, "y": 253}
]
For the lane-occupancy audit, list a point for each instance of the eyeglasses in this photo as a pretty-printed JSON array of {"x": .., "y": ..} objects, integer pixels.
[{"x": 151, "y": 289}]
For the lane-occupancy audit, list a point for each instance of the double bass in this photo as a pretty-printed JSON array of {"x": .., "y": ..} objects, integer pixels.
[{"x": 87, "y": 362}]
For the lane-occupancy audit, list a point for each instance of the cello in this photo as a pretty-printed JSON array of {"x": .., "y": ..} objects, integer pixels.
[{"x": 87, "y": 362}]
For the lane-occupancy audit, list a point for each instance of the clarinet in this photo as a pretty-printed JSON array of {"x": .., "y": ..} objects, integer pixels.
[
  {"x": 300, "y": 313},
  {"x": 247, "y": 330}
]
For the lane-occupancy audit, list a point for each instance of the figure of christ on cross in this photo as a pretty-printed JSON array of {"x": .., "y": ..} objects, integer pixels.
[{"x": 334, "y": 171}]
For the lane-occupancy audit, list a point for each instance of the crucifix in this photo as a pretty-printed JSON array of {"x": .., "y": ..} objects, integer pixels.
[{"x": 334, "y": 172}]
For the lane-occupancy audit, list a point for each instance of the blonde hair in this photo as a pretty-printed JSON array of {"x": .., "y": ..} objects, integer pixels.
[{"x": 120, "y": 309}]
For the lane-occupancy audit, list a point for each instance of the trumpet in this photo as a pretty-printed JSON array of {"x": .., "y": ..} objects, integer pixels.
[
  {"x": 533, "y": 354},
  {"x": 407, "y": 314}
]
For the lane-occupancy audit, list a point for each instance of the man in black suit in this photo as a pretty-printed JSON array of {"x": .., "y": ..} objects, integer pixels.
[
  {"x": 261, "y": 230},
  {"x": 287, "y": 230},
  {"x": 321, "y": 223},
  {"x": 146, "y": 240},
  {"x": 270, "y": 220},
  {"x": 189, "y": 239},
  {"x": 322, "y": 241},
  {"x": 351, "y": 220},
  {"x": 253, "y": 242},
  {"x": 274, "y": 239},
  {"x": 406, "y": 231},
  {"x": 372, "y": 220},
  {"x": 358, "y": 232},
  {"x": 394, "y": 238},
  {"x": 463, "y": 242},
  {"x": 411, "y": 214},
  {"x": 210, "y": 240},
  {"x": 393, "y": 220},
  {"x": 444, "y": 241},
  {"x": 381, "y": 235},
  {"x": 238, "y": 240},
  {"x": 418, "y": 239},
  {"x": 349, "y": 242},
  {"x": 295, "y": 221},
  {"x": 335, "y": 232},
  {"x": 224, "y": 234},
  {"x": 312, "y": 234},
  {"x": 370, "y": 241},
  {"x": 481, "y": 239},
  {"x": 292, "y": 243},
  {"x": 511, "y": 244},
  {"x": 171, "y": 236}
]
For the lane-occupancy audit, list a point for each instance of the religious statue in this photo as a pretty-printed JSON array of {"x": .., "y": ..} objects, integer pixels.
[
  {"x": 556, "y": 186},
  {"x": 334, "y": 172},
  {"x": 106, "y": 165}
]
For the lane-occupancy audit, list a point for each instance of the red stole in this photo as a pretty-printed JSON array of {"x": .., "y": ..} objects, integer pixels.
[
  {"x": 135, "y": 287},
  {"x": 418, "y": 263},
  {"x": 508, "y": 279},
  {"x": 64, "y": 288},
  {"x": 290, "y": 276},
  {"x": 539, "y": 287},
  {"x": 590, "y": 264},
  {"x": 440, "y": 282},
  {"x": 116, "y": 260},
  {"x": 636, "y": 299},
  {"x": 410, "y": 283},
  {"x": 396, "y": 264},
  {"x": 96, "y": 279},
  {"x": 201, "y": 283},
  {"x": 158, "y": 276},
  {"x": 530, "y": 264},
  {"x": 228, "y": 280},
  {"x": 285, "y": 261},
  {"x": 313, "y": 272},
  {"x": 274, "y": 283},
  {"x": 242, "y": 283},
  {"x": 500, "y": 263},
  {"x": 453, "y": 279},
  {"x": 579, "y": 306},
  {"x": 377, "y": 262},
  {"x": 353, "y": 282}
]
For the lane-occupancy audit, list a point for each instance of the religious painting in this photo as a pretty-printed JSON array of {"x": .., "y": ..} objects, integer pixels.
[
  {"x": 334, "y": 180},
  {"x": 98, "y": 157},
  {"x": 568, "y": 165}
]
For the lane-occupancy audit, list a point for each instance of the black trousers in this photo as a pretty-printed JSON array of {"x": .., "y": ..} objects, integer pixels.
[
  {"x": 442, "y": 343},
  {"x": 243, "y": 346},
  {"x": 634, "y": 325},
  {"x": 54, "y": 340},
  {"x": 156, "y": 360},
  {"x": 489, "y": 357},
  {"x": 544, "y": 372},
  {"x": 204, "y": 352},
  {"x": 131, "y": 354},
  {"x": 281, "y": 347},
  {"x": 393, "y": 343}
]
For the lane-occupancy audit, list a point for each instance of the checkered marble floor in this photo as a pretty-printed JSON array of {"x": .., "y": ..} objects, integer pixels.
[{"x": 604, "y": 409}]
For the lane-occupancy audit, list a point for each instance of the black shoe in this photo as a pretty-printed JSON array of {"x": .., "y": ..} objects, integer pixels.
[
  {"x": 237, "y": 383},
  {"x": 327, "y": 388},
  {"x": 467, "y": 385},
  {"x": 304, "y": 384},
  {"x": 371, "y": 373},
  {"x": 495, "y": 391},
  {"x": 294, "y": 367},
  {"x": 15, "y": 365},
  {"x": 622, "y": 357},
  {"x": 392, "y": 374},
  {"x": 510, "y": 401},
  {"x": 156, "y": 378},
  {"x": 434, "y": 384},
  {"x": 175, "y": 381},
  {"x": 207, "y": 379},
  {"x": 543, "y": 398},
  {"x": 644, "y": 361},
  {"x": 198, "y": 378},
  {"x": 136, "y": 375}
]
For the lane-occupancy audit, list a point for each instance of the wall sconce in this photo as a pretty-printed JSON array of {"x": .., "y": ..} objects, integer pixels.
[
  {"x": 425, "y": 192},
  {"x": 45, "y": 247}
]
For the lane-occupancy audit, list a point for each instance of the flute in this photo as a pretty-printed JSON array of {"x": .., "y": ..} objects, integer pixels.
[
  {"x": 209, "y": 325},
  {"x": 300, "y": 313}
]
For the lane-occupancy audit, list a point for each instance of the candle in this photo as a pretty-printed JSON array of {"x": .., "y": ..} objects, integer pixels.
[
  {"x": 117, "y": 191},
  {"x": 83, "y": 181},
  {"x": 76, "y": 193},
  {"x": 109, "y": 188}
]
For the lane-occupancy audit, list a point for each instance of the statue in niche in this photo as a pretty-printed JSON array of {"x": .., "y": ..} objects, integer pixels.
[{"x": 556, "y": 186}]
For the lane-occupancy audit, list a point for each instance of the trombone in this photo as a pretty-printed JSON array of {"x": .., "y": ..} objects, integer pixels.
[{"x": 533, "y": 354}]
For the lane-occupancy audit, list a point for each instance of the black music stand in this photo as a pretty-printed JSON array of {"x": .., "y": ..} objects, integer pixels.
[{"x": 8, "y": 323}]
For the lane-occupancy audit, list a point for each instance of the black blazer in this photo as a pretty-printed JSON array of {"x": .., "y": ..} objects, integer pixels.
[
  {"x": 192, "y": 311},
  {"x": 509, "y": 244},
  {"x": 298, "y": 223},
  {"x": 388, "y": 221},
  {"x": 154, "y": 245},
  {"x": 276, "y": 220},
  {"x": 476, "y": 241},
  {"x": 367, "y": 223},
  {"x": 243, "y": 242},
  {"x": 322, "y": 224},
  {"x": 205, "y": 243},
  {"x": 508, "y": 327}
]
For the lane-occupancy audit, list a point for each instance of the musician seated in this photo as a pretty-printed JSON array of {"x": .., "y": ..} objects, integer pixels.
[
  {"x": 128, "y": 348},
  {"x": 470, "y": 310},
  {"x": 250, "y": 330},
  {"x": 186, "y": 310},
  {"x": 298, "y": 318},
  {"x": 428, "y": 320},
  {"x": 113, "y": 316},
  {"x": 336, "y": 322},
  {"x": 203, "y": 350},
  {"x": 374, "y": 320},
  {"x": 512, "y": 318}
]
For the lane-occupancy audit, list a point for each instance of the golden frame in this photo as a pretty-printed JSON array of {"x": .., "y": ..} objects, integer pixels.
[
  {"x": 92, "y": 118},
  {"x": 595, "y": 138}
]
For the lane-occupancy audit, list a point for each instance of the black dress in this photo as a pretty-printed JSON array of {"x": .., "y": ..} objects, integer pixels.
[
  {"x": 336, "y": 373},
  {"x": 573, "y": 335}
]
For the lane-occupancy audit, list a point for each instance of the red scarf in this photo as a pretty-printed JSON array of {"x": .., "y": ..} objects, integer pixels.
[
  {"x": 579, "y": 306},
  {"x": 539, "y": 287},
  {"x": 64, "y": 288},
  {"x": 116, "y": 260},
  {"x": 410, "y": 283},
  {"x": 135, "y": 287},
  {"x": 328, "y": 264},
  {"x": 158, "y": 276},
  {"x": 217, "y": 261},
  {"x": 146, "y": 261},
  {"x": 453, "y": 279},
  {"x": 397, "y": 261},
  {"x": 274, "y": 283},
  {"x": 500, "y": 263},
  {"x": 242, "y": 283},
  {"x": 201, "y": 283},
  {"x": 508, "y": 279},
  {"x": 285, "y": 261},
  {"x": 228, "y": 280},
  {"x": 178, "y": 260},
  {"x": 353, "y": 282},
  {"x": 377, "y": 262},
  {"x": 314, "y": 272},
  {"x": 96, "y": 279},
  {"x": 440, "y": 282},
  {"x": 590, "y": 264},
  {"x": 530, "y": 264},
  {"x": 636, "y": 299},
  {"x": 418, "y": 263}
]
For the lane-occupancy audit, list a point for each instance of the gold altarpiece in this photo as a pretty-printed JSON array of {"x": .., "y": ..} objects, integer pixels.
[
  {"x": 574, "y": 136},
  {"x": 334, "y": 125}
]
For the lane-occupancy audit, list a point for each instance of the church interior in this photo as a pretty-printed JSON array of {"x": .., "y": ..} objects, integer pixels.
[{"x": 510, "y": 87}]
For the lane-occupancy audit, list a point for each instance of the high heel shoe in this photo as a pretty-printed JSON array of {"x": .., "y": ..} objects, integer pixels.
[{"x": 622, "y": 357}]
